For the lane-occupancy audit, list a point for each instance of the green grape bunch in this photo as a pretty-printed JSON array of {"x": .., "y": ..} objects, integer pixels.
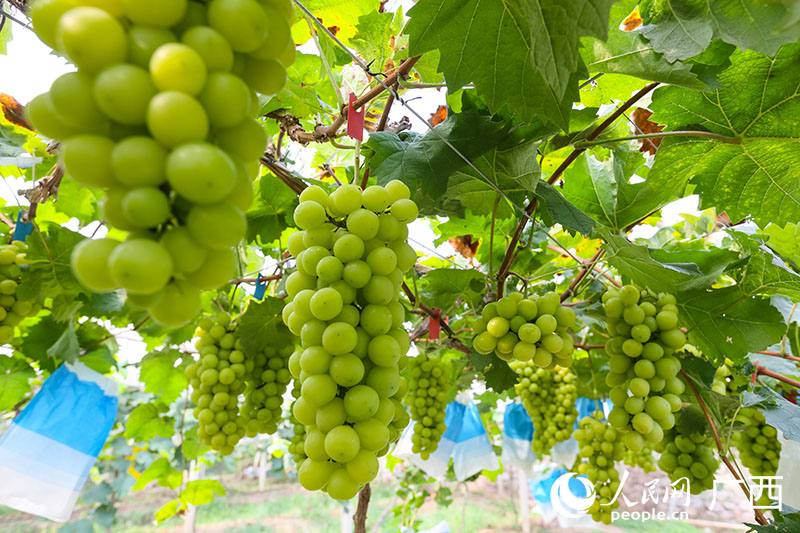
[
  {"x": 12, "y": 309},
  {"x": 643, "y": 376},
  {"x": 758, "y": 444},
  {"x": 526, "y": 329},
  {"x": 351, "y": 255},
  {"x": 549, "y": 397},
  {"x": 297, "y": 441},
  {"x": 427, "y": 400},
  {"x": 600, "y": 447},
  {"x": 161, "y": 116},
  {"x": 223, "y": 374},
  {"x": 689, "y": 454}
]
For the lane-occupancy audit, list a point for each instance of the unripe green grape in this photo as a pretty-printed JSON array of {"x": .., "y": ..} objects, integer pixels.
[
  {"x": 91, "y": 38},
  {"x": 175, "y": 118},
  {"x": 212, "y": 47}
]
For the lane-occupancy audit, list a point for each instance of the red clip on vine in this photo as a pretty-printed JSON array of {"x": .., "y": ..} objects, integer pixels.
[
  {"x": 261, "y": 286},
  {"x": 355, "y": 120},
  {"x": 435, "y": 325}
]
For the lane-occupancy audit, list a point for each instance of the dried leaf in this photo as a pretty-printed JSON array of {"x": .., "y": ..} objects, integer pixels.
[
  {"x": 632, "y": 21},
  {"x": 14, "y": 111},
  {"x": 644, "y": 126},
  {"x": 439, "y": 116},
  {"x": 466, "y": 245}
]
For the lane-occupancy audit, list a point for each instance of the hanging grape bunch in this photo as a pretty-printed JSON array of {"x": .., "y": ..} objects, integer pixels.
[
  {"x": 643, "y": 370},
  {"x": 297, "y": 441},
  {"x": 223, "y": 374},
  {"x": 758, "y": 444},
  {"x": 689, "y": 455},
  {"x": 549, "y": 397},
  {"x": 161, "y": 117},
  {"x": 427, "y": 400},
  {"x": 12, "y": 309},
  {"x": 527, "y": 329},
  {"x": 351, "y": 254},
  {"x": 600, "y": 446}
]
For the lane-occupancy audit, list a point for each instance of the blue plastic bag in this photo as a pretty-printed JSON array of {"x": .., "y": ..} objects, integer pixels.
[
  {"x": 47, "y": 453},
  {"x": 517, "y": 436}
]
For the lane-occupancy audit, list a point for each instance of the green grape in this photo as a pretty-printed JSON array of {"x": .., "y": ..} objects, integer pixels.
[
  {"x": 175, "y": 118},
  {"x": 757, "y": 443},
  {"x": 124, "y": 92},
  {"x": 217, "y": 226},
  {"x": 225, "y": 98},
  {"x": 91, "y": 38},
  {"x": 176, "y": 304},
  {"x": 201, "y": 172},
  {"x": 140, "y": 266},
  {"x": 73, "y": 101},
  {"x": 139, "y": 162},
  {"x": 154, "y": 12},
  {"x": 243, "y": 23},
  {"x": 265, "y": 76},
  {"x": 87, "y": 160},
  {"x": 218, "y": 268},
  {"x": 178, "y": 67},
  {"x": 549, "y": 397},
  {"x": 42, "y": 115},
  {"x": 247, "y": 139},
  {"x": 145, "y": 207},
  {"x": 144, "y": 40},
  {"x": 215, "y": 50}
]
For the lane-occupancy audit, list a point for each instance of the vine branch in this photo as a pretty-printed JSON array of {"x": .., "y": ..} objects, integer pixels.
[
  {"x": 360, "y": 518},
  {"x": 589, "y": 265},
  {"x": 682, "y": 133},
  {"x": 761, "y": 371},
  {"x": 512, "y": 245}
]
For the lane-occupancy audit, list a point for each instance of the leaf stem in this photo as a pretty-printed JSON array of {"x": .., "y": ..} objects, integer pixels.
[
  {"x": 582, "y": 274},
  {"x": 491, "y": 236},
  {"x": 325, "y": 64},
  {"x": 682, "y": 133}
]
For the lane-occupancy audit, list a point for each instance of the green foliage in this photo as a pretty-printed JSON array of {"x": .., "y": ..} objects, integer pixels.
[
  {"x": 261, "y": 324},
  {"x": 161, "y": 377},
  {"x": 755, "y": 105}
]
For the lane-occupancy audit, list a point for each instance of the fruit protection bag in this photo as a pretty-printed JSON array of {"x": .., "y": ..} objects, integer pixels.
[
  {"x": 465, "y": 440},
  {"x": 517, "y": 436},
  {"x": 47, "y": 452}
]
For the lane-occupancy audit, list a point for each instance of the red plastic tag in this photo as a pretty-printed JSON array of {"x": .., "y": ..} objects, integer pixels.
[
  {"x": 355, "y": 120},
  {"x": 434, "y": 325}
]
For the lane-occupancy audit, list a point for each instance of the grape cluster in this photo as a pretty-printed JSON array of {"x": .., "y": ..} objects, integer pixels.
[
  {"x": 427, "y": 399},
  {"x": 13, "y": 310},
  {"x": 689, "y": 455},
  {"x": 549, "y": 398},
  {"x": 351, "y": 255},
  {"x": 217, "y": 380},
  {"x": 600, "y": 446},
  {"x": 527, "y": 329},
  {"x": 264, "y": 390},
  {"x": 223, "y": 373},
  {"x": 643, "y": 458},
  {"x": 643, "y": 377},
  {"x": 160, "y": 115},
  {"x": 758, "y": 444}
]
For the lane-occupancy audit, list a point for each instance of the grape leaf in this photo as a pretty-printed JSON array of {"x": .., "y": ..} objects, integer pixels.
[
  {"x": 711, "y": 263},
  {"x": 759, "y": 177},
  {"x": 5, "y": 37},
  {"x": 561, "y": 211},
  {"x": 600, "y": 188},
  {"x": 628, "y": 53},
  {"x": 724, "y": 323},
  {"x": 376, "y": 33},
  {"x": 789, "y": 525},
  {"x": 785, "y": 241},
  {"x": 698, "y": 368},
  {"x": 634, "y": 261},
  {"x": 49, "y": 272},
  {"x": 607, "y": 88},
  {"x": 261, "y": 324},
  {"x": 497, "y": 375},
  {"x": 66, "y": 347},
  {"x": 339, "y": 16},
  {"x": 778, "y": 412},
  {"x": 100, "y": 360},
  {"x": 425, "y": 162},
  {"x": 162, "y": 377},
  {"x": 201, "y": 491},
  {"x": 272, "y": 210},
  {"x": 145, "y": 423},
  {"x": 440, "y": 288},
  {"x": 160, "y": 470},
  {"x": 38, "y": 339},
  {"x": 521, "y": 53},
  {"x": 15, "y": 376},
  {"x": 763, "y": 272},
  {"x": 681, "y": 29}
]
